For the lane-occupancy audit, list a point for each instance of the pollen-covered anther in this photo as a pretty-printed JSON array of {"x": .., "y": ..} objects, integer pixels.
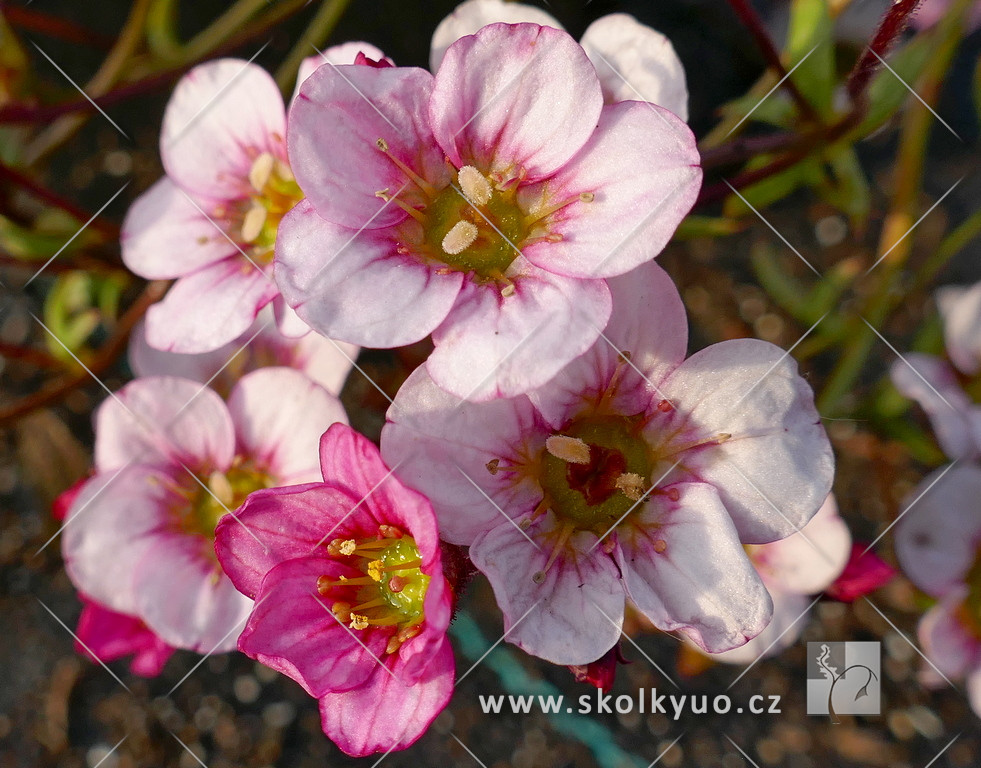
[
  {"x": 475, "y": 186},
  {"x": 261, "y": 170},
  {"x": 631, "y": 485},
  {"x": 508, "y": 290},
  {"x": 359, "y": 621},
  {"x": 253, "y": 222},
  {"x": 569, "y": 449},
  {"x": 375, "y": 569},
  {"x": 341, "y": 547},
  {"x": 460, "y": 237}
]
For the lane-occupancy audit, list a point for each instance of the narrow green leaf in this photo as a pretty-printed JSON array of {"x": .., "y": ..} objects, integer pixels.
[{"x": 810, "y": 35}]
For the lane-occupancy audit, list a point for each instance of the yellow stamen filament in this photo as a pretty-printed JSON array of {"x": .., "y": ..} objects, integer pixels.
[
  {"x": 631, "y": 485},
  {"x": 564, "y": 533},
  {"x": 413, "y": 212},
  {"x": 475, "y": 185},
  {"x": 415, "y": 178},
  {"x": 711, "y": 440},
  {"x": 546, "y": 211},
  {"x": 460, "y": 237},
  {"x": 570, "y": 449},
  {"x": 261, "y": 170}
]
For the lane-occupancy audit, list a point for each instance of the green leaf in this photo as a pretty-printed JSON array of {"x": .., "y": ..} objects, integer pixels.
[
  {"x": 707, "y": 226},
  {"x": 806, "y": 173},
  {"x": 76, "y": 306},
  {"x": 776, "y": 109},
  {"x": 22, "y": 243},
  {"x": 810, "y": 35},
  {"x": 849, "y": 191}
]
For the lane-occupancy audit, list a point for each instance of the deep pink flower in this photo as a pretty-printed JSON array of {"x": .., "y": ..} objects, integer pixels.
[
  {"x": 793, "y": 569},
  {"x": 633, "y": 61},
  {"x": 351, "y": 600},
  {"x": 170, "y": 459},
  {"x": 864, "y": 573},
  {"x": 108, "y": 635},
  {"x": 637, "y": 475},
  {"x": 211, "y": 221},
  {"x": 948, "y": 392},
  {"x": 325, "y": 361},
  {"x": 486, "y": 205}
]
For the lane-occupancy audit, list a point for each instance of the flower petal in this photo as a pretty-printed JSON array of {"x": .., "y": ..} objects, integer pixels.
[
  {"x": 165, "y": 420},
  {"x": 209, "y": 308},
  {"x": 636, "y": 63},
  {"x": 648, "y": 324},
  {"x": 947, "y": 642},
  {"x": 110, "y": 635},
  {"x": 809, "y": 560},
  {"x": 961, "y": 312},
  {"x": 293, "y": 631},
  {"x": 279, "y": 416},
  {"x": 575, "y": 614},
  {"x": 937, "y": 538},
  {"x": 775, "y": 471},
  {"x": 165, "y": 235},
  {"x": 183, "y": 596},
  {"x": 345, "y": 53},
  {"x": 325, "y": 361},
  {"x": 441, "y": 446},
  {"x": 641, "y": 168},
  {"x": 493, "y": 346},
  {"x": 470, "y": 16},
  {"x": 352, "y": 285},
  {"x": 278, "y": 524},
  {"x": 932, "y": 383},
  {"x": 789, "y": 620},
  {"x": 384, "y": 714},
  {"x": 334, "y": 126},
  {"x": 515, "y": 97},
  {"x": 222, "y": 115},
  {"x": 685, "y": 569}
]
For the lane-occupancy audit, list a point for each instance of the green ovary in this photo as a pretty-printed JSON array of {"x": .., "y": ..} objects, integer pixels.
[
  {"x": 587, "y": 494},
  {"x": 408, "y": 601},
  {"x": 226, "y": 492}
]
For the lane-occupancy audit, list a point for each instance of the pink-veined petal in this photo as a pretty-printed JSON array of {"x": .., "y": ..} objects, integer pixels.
[
  {"x": 345, "y": 53},
  {"x": 335, "y": 123},
  {"x": 685, "y": 569},
  {"x": 636, "y": 63},
  {"x": 515, "y": 97},
  {"x": 648, "y": 323},
  {"x": 937, "y": 538},
  {"x": 167, "y": 420},
  {"x": 165, "y": 234},
  {"x": 470, "y": 16},
  {"x": 110, "y": 635},
  {"x": 961, "y": 312},
  {"x": 325, "y": 361},
  {"x": 946, "y": 641},
  {"x": 293, "y": 630},
  {"x": 384, "y": 714},
  {"x": 279, "y": 416},
  {"x": 789, "y": 619},
  {"x": 222, "y": 115},
  {"x": 441, "y": 446},
  {"x": 493, "y": 346},
  {"x": 353, "y": 285},
  {"x": 575, "y": 614},
  {"x": 209, "y": 308},
  {"x": 641, "y": 168},
  {"x": 775, "y": 469}
]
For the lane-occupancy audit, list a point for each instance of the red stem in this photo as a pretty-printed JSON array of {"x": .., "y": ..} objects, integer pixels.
[
  {"x": 53, "y": 26},
  {"x": 890, "y": 28}
]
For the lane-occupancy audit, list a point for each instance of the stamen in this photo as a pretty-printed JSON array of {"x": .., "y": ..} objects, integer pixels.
[
  {"x": 375, "y": 568},
  {"x": 660, "y": 545},
  {"x": 718, "y": 439},
  {"x": 389, "y": 532},
  {"x": 631, "y": 485},
  {"x": 261, "y": 170},
  {"x": 508, "y": 290},
  {"x": 252, "y": 223},
  {"x": 564, "y": 534},
  {"x": 493, "y": 465},
  {"x": 359, "y": 621},
  {"x": 284, "y": 171},
  {"x": 413, "y": 212},
  {"x": 540, "y": 510},
  {"x": 569, "y": 449},
  {"x": 546, "y": 211},
  {"x": 428, "y": 189},
  {"x": 222, "y": 489},
  {"x": 342, "y": 611},
  {"x": 370, "y": 604},
  {"x": 475, "y": 185},
  {"x": 460, "y": 237},
  {"x": 341, "y": 547}
]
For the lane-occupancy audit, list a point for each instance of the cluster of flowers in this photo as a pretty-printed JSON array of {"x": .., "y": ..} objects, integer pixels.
[
  {"x": 938, "y": 540},
  {"x": 557, "y": 438}
]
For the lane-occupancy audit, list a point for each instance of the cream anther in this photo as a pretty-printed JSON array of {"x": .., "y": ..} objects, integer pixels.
[
  {"x": 475, "y": 185},
  {"x": 569, "y": 449},
  {"x": 460, "y": 237}
]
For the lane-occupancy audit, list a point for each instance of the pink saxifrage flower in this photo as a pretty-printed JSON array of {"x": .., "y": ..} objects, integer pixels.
[
  {"x": 486, "y": 205},
  {"x": 633, "y": 61},
  {"x": 793, "y": 569},
  {"x": 949, "y": 393},
  {"x": 325, "y": 361},
  {"x": 211, "y": 222},
  {"x": 107, "y": 635},
  {"x": 938, "y": 545},
  {"x": 351, "y": 601},
  {"x": 634, "y": 473},
  {"x": 170, "y": 459}
]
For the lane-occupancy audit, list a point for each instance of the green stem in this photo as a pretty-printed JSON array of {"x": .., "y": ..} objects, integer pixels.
[
  {"x": 949, "y": 247},
  {"x": 222, "y": 28},
  {"x": 310, "y": 42}
]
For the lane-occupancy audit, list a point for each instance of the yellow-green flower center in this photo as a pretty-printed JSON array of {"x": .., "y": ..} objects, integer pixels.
[
  {"x": 392, "y": 592},
  {"x": 222, "y": 492},
  {"x": 275, "y": 192}
]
